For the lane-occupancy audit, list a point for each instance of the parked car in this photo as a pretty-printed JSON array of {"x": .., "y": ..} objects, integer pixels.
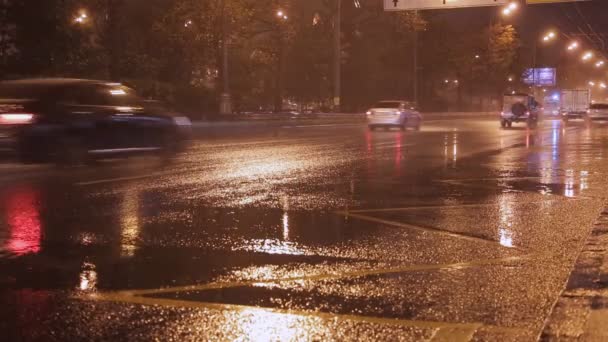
[
  {"x": 388, "y": 114},
  {"x": 73, "y": 121}
]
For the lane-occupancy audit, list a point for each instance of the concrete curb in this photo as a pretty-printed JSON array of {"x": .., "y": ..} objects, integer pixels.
[
  {"x": 335, "y": 117},
  {"x": 581, "y": 312}
]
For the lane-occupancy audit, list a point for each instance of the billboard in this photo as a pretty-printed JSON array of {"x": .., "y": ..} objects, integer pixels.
[
  {"x": 401, "y": 5},
  {"x": 542, "y": 77}
]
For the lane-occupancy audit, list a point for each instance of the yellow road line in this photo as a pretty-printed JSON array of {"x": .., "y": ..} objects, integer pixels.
[
  {"x": 453, "y": 206},
  {"x": 320, "y": 277},
  {"x": 426, "y": 229},
  {"x": 454, "y": 334},
  {"x": 149, "y": 301}
]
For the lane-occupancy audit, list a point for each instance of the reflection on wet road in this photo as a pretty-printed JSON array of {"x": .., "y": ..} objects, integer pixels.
[{"x": 459, "y": 231}]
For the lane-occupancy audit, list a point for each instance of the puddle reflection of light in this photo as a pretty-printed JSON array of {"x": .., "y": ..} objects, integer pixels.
[
  {"x": 455, "y": 148},
  {"x": 285, "y": 226},
  {"x": 398, "y": 153},
  {"x": 274, "y": 246},
  {"x": 23, "y": 218},
  {"x": 88, "y": 277},
  {"x": 569, "y": 189},
  {"x": 368, "y": 140},
  {"x": 506, "y": 238},
  {"x": 555, "y": 140},
  {"x": 272, "y": 165},
  {"x": 261, "y": 325},
  {"x": 505, "y": 216},
  {"x": 584, "y": 182},
  {"x": 129, "y": 223}
]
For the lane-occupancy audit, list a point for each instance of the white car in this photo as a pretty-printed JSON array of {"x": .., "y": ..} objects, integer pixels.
[
  {"x": 401, "y": 114},
  {"x": 598, "y": 112}
]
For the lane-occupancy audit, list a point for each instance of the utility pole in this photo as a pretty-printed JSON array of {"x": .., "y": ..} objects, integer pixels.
[
  {"x": 225, "y": 99},
  {"x": 415, "y": 52},
  {"x": 337, "y": 56}
]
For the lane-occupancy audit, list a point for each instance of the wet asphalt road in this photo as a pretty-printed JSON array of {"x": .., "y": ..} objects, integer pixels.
[{"x": 461, "y": 231}]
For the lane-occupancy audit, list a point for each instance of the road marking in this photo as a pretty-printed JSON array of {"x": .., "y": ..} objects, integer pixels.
[
  {"x": 120, "y": 179},
  {"x": 455, "y": 206},
  {"x": 326, "y": 277},
  {"x": 150, "y": 301},
  {"x": 450, "y": 334},
  {"x": 469, "y": 183},
  {"x": 425, "y": 229}
]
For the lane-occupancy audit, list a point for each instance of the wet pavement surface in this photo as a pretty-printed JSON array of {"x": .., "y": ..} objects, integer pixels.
[{"x": 459, "y": 232}]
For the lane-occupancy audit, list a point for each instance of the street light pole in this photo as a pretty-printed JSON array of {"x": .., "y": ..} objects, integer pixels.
[
  {"x": 337, "y": 56},
  {"x": 415, "y": 52},
  {"x": 225, "y": 99}
]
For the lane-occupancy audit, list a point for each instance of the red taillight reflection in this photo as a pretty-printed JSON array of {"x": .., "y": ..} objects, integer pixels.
[
  {"x": 16, "y": 118},
  {"x": 22, "y": 212}
]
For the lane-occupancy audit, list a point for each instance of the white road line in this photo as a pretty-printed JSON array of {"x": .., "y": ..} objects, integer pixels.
[{"x": 119, "y": 179}]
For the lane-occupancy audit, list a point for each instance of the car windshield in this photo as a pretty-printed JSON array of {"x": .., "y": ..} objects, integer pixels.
[{"x": 388, "y": 104}]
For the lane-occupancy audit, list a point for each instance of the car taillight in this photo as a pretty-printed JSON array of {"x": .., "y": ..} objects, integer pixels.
[{"x": 16, "y": 118}]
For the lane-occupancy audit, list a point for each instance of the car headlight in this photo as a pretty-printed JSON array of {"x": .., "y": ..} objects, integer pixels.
[
  {"x": 369, "y": 112},
  {"x": 182, "y": 121}
]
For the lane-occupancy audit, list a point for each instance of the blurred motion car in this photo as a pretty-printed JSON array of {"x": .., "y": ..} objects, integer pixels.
[
  {"x": 519, "y": 107},
  {"x": 73, "y": 121},
  {"x": 598, "y": 112},
  {"x": 401, "y": 114}
]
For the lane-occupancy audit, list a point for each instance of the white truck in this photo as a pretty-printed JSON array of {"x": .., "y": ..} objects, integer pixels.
[{"x": 575, "y": 104}]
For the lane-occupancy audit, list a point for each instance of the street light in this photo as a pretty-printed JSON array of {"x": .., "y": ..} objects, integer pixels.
[
  {"x": 549, "y": 36},
  {"x": 510, "y": 8},
  {"x": 587, "y": 56},
  {"x": 282, "y": 15},
  {"x": 81, "y": 18},
  {"x": 510, "y": 79},
  {"x": 591, "y": 83},
  {"x": 600, "y": 64},
  {"x": 573, "y": 46}
]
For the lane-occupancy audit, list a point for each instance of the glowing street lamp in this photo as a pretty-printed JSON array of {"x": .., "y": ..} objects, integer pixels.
[
  {"x": 573, "y": 46},
  {"x": 282, "y": 15},
  {"x": 591, "y": 83},
  {"x": 510, "y": 8},
  {"x": 549, "y": 36},
  {"x": 587, "y": 56},
  {"x": 600, "y": 64},
  {"x": 81, "y": 18},
  {"x": 603, "y": 85}
]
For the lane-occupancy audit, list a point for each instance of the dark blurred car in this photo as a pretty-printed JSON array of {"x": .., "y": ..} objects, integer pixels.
[{"x": 73, "y": 121}]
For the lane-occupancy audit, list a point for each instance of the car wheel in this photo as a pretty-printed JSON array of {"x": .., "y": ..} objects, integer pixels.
[
  {"x": 503, "y": 123},
  {"x": 509, "y": 124}
]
